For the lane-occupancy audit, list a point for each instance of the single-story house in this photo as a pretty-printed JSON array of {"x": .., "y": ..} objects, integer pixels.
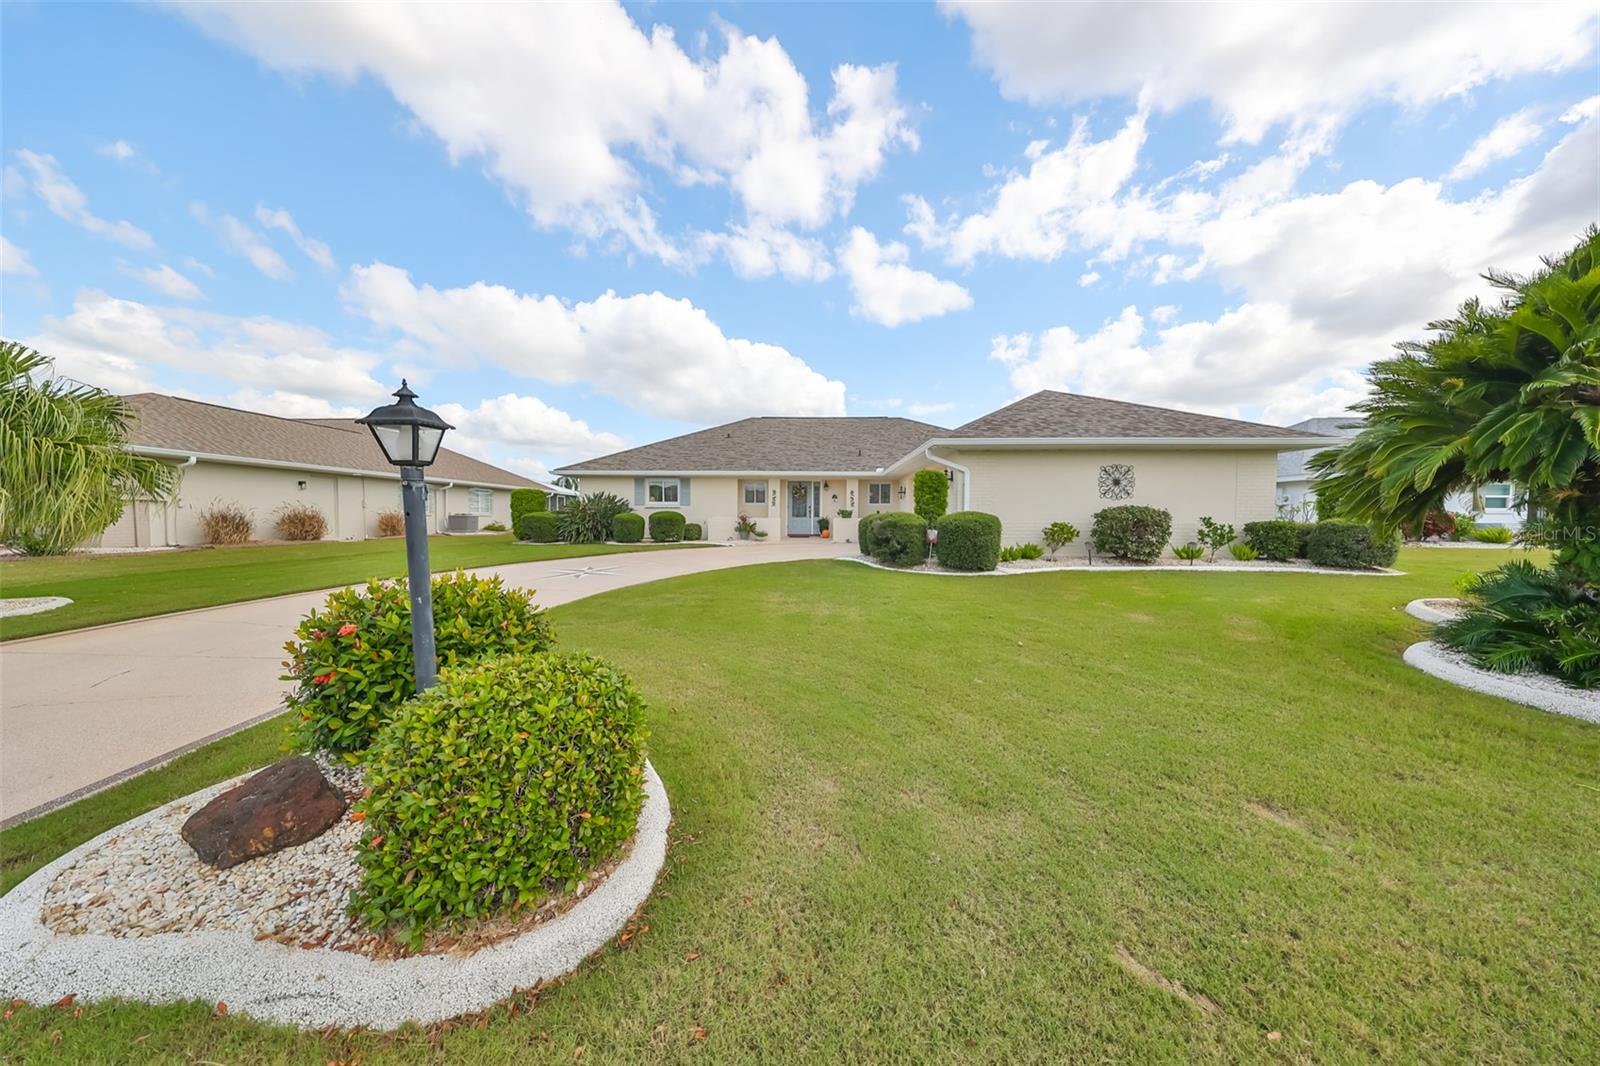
[
  {"x": 1495, "y": 503},
  {"x": 264, "y": 462},
  {"x": 1049, "y": 457}
]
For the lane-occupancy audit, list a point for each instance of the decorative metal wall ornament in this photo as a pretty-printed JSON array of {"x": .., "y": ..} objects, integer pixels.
[{"x": 1116, "y": 481}]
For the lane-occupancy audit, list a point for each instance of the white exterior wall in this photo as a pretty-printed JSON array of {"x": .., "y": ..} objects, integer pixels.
[
  {"x": 350, "y": 503},
  {"x": 1028, "y": 490}
]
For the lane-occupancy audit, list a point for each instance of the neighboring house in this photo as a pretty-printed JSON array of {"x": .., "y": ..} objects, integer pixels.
[
  {"x": 264, "y": 462},
  {"x": 1048, "y": 457},
  {"x": 1494, "y": 505}
]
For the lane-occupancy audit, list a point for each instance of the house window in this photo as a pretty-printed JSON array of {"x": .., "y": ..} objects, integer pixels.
[
  {"x": 879, "y": 494},
  {"x": 480, "y": 501},
  {"x": 755, "y": 492},
  {"x": 660, "y": 491},
  {"x": 1496, "y": 496}
]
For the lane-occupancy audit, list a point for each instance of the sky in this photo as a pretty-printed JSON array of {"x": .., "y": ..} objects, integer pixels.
[{"x": 580, "y": 228}]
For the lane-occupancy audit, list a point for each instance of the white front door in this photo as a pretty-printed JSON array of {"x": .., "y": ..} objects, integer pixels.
[{"x": 804, "y": 498}]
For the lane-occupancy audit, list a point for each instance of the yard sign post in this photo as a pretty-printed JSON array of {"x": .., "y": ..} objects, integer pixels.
[{"x": 410, "y": 436}]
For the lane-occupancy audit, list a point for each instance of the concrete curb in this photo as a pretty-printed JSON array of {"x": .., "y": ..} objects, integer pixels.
[
  {"x": 312, "y": 987},
  {"x": 1420, "y": 610},
  {"x": 1124, "y": 568},
  {"x": 1544, "y": 693}
]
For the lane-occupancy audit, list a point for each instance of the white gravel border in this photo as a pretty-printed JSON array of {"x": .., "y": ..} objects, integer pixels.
[
  {"x": 315, "y": 987},
  {"x": 1421, "y": 610},
  {"x": 31, "y": 605},
  {"x": 1122, "y": 568},
  {"x": 1545, "y": 693}
]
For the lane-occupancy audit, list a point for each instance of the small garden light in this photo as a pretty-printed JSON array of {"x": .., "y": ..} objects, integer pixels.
[{"x": 410, "y": 437}]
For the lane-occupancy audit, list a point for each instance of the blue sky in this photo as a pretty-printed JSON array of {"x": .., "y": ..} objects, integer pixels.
[{"x": 579, "y": 228}]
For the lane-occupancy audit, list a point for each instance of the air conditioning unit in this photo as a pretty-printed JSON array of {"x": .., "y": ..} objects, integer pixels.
[{"x": 463, "y": 523}]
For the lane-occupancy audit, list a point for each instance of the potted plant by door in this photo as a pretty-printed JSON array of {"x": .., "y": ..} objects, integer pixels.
[
  {"x": 822, "y": 529},
  {"x": 745, "y": 527}
]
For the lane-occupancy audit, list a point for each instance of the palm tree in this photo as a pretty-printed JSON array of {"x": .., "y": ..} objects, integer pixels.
[
  {"x": 65, "y": 469},
  {"x": 1509, "y": 392}
]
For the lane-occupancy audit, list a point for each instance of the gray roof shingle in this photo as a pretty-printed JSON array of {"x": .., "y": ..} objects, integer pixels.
[
  {"x": 1050, "y": 414},
  {"x": 177, "y": 424},
  {"x": 775, "y": 444},
  {"x": 1292, "y": 465}
]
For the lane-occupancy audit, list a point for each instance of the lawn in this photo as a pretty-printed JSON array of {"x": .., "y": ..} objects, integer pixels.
[
  {"x": 114, "y": 588},
  {"x": 1030, "y": 819}
]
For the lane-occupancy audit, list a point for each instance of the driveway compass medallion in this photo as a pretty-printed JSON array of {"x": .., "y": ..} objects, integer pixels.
[{"x": 588, "y": 571}]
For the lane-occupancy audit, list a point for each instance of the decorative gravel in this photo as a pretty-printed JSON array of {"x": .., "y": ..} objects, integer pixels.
[
  {"x": 1436, "y": 610},
  {"x": 1532, "y": 690},
  {"x": 220, "y": 959},
  {"x": 1082, "y": 565},
  {"x": 31, "y": 605}
]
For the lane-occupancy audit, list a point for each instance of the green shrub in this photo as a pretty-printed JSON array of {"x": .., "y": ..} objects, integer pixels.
[
  {"x": 930, "y": 494},
  {"x": 1130, "y": 531},
  {"x": 1349, "y": 546},
  {"x": 1277, "y": 539},
  {"x": 493, "y": 527},
  {"x": 968, "y": 540},
  {"x": 1493, "y": 535},
  {"x": 693, "y": 531},
  {"x": 1188, "y": 552},
  {"x": 351, "y": 658},
  {"x": 1243, "y": 552},
  {"x": 1214, "y": 536},
  {"x": 1021, "y": 551},
  {"x": 528, "y": 501},
  {"x": 509, "y": 779},
  {"x": 864, "y": 531},
  {"x": 1464, "y": 526},
  {"x": 587, "y": 519},
  {"x": 1058, "y": 535},
  {"x": 540, "y": 527},
  {"x": 666, "y": 526},
  {"x": 627, "y": 528},
  {"x": 1521, "y": 617},
  {"x": 900, "y": 539},
  {"x": 1302, "y": 539}
]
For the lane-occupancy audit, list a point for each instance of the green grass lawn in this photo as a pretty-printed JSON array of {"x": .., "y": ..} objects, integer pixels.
[
  {"x": 114, "y": 588},
  {"x": 933, "y": 820}
]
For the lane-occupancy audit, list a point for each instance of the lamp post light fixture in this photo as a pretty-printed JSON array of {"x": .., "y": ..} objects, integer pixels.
[{"x": 410, "y": 437}]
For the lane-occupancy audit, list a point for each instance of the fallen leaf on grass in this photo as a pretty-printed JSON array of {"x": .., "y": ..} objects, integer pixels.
[
  {"x": 66, "y": 1000},
  {"x": 699, "y": 1032},
  {"x": 222, "y": 1008},
  {"x": 691, "y": 956},
  {"x": 1274, "y": 1036}
]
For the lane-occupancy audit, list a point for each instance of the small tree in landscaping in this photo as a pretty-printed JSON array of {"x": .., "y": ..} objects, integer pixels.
[
  {"x": 930, "y": 495},
  {"x": 1058, "y": 535},
  {"x": 1214, "y": 536}
]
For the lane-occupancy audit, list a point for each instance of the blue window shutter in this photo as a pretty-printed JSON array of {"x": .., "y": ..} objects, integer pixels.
[
  {"x": 638, "y": 491},
  {"x": 683, "y": 492}
]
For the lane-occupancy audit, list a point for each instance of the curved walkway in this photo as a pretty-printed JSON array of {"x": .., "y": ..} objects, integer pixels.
[{"x": 85, "y": 709}]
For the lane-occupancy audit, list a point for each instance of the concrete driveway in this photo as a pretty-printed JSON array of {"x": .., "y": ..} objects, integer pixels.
[{"x": 80, "y": 711}]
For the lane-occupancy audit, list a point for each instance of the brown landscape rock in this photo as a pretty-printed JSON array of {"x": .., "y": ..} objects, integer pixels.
[{"x": 288, "y": 803}]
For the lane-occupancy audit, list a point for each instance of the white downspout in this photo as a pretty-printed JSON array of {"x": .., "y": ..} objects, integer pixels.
[
  {"x": 438, "y": 508},
  {"x": 169, "y": 524},
  {"x": 966, "y": 476}
]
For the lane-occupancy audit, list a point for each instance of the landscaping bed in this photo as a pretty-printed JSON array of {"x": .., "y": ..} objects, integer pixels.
[{"x": 1083, "y": 565}]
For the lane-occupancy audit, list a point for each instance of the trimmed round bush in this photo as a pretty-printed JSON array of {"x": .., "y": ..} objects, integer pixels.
[
  {"x": 900, "y": 538},
  {"x": 351, "y": 659},
  {"x": 510, "y": 779},
  {"x": 968, "y": 540},
  {"x": 627, "y": 528},
  {"x": 528, "y": 501},
  {"x": 1349, "y": 546},
  {"x": 1130, "y": 531},
  {"x": 1302, "y": 538},
  {"x": 541, "y": 527},
  {"x": 864, "y": 534},
  {"x": 666, "y": 526},
  {"x": 693, "y": 531},
  {"x": 1277, "y": 539}
]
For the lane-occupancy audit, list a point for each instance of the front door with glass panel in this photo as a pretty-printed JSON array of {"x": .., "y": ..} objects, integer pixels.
[{"x": 804, "y": 499}]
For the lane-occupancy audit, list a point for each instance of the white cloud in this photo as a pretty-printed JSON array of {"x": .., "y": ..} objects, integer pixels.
[
  {"x": 1582, "y": 111},
  {"x": 164, "y": 279},
  {"x": 119, "y": 150},
  {"x": 14, "y": 260},
  {"x": 292, "y": 405},
  {"x": 118, "y": 344},
  {"x": 279, "y": 219},
  {"x": 889, "y": 292},
  {"x": 1088, "y": 279},
  {"x": 238, "y": 238},
  {"x": 566, "y": 103},
  {"x": 654, "y": 353},
  {"x": 525, "y": 422},
  {"x": 1260, "y": 65},
  {"x": 65, "y": 200},
  {"x": 1506, "y": 139},
  {"x": 923, "y": 410},
  {"x": 761, "y": 249}
]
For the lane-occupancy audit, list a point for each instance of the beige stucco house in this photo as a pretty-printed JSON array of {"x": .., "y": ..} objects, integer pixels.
[
  {"x": 262, "y": 462},
  {"x": 1049, "y": 457}
]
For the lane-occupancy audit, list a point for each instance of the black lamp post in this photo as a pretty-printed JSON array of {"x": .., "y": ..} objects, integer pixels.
[{"x": 410, "y": 436}]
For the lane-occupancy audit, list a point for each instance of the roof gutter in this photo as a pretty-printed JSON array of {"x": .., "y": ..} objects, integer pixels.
[
  {"x": 1277, "y": 444},
  {"x": 678, "y": 471},
  {"x": 966, "y": 475},
  {"x": 190, "y": 458}
]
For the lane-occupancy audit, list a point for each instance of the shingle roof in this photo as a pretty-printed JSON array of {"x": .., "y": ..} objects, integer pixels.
[
  {"x": 1292, "y": 465},
  {"x": 176, "y": 424},
  {"x": 798, "y": 445},
  {"x": 1050, "y": 414}
]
